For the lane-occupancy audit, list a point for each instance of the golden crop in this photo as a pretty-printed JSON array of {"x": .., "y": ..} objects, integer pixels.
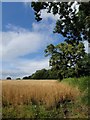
[{"x": 44, "y": 92}]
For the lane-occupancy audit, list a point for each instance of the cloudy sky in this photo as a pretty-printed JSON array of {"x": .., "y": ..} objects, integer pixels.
[{"x": 24, "y": 40}]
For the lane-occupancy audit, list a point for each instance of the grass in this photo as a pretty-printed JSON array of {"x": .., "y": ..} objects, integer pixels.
[
  {"x": 83, "y": 85},
  {"x": 34, "y": 111},
  {"x": 45, "y": 98}
]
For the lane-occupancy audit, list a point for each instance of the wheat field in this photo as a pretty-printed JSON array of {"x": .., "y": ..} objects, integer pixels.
[{"x": 39, "y": 92}]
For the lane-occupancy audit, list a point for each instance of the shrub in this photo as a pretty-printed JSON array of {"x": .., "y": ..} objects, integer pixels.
[{"x": 8, "y": 78}]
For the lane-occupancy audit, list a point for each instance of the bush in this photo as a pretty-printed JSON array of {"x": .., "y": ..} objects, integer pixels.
[
  {"x": 8, "y": 78},
  {"x": 40, "y": 74},
  {"x": 18, "y": 78},
  {"x": 83, "y": 84},
  {"x": 25, "y": 77}
]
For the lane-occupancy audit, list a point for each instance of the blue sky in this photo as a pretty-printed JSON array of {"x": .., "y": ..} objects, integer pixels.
[
  {"x": 17, "y": 14},
  {"x": 24, "y": 39}
]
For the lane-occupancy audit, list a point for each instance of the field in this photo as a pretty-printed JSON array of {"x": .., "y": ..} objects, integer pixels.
[{"x": 41, "y": 99}]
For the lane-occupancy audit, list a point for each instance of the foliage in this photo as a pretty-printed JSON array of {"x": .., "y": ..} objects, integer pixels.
[
  {"x": 84, "y": 64},
  {"x": 68, "y": 58},
  {"x": 27, "y": 77},
  {"x": 45, "y": 74},
  {"x": 52, "y": 74},
  {"x": 72, "y": 24},
  {"x": 67, "y": 110},
  {"x": 40, "y": 74},
  {"x": 18, "y": 78},
  {"x": 82, "y": 82},
  {"x": 83, "y": 85},
  {"x": 65, "y": 59},
  {"x": 8, "y": 78}
]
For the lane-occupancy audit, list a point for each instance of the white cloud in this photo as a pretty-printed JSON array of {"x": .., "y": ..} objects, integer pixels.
[
  {"x": 19, "y": 42},
  {"x": 24, "y": 67},
  {"x": 43, "y": 28},
  {"x": 16, "y": 28},
  {"x": 87, "y": 47},
  {"x": 74, "y": 6},
  {"x": 47, "y": 16},
  {"x": 30, "y": 66}
]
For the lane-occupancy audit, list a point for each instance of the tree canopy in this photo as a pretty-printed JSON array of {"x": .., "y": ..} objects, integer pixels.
[
  {"x": 65, "y": 58},
  {"x": 73, "y": 24},
  {"x": 40, "y": 74}
]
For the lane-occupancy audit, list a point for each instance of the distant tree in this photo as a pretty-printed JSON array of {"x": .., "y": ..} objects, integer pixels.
[
  {"x": 18, "y": 78},
  {"x": 45, "y": 74},
  {"x": 29, "y": 77},
  {"x": 8, "y": 78},
  {"x": 40, "y": 74},
  {"x": 26, "y": 77}
]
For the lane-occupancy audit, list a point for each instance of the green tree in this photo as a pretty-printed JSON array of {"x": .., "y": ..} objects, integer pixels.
[
  {"x": 64, "y": 58},
  {"x": 8, "y": 78},
  {"x": 52, "y": 74},
  {"x": 84, "y": 64},
  {"x": 73, "y": 25},
  {"x": 40, "y": 74},
  {"x": 18, "y": 78},
  {"x": 67, "y": 58},
  {"x": 26, "y": 77}
]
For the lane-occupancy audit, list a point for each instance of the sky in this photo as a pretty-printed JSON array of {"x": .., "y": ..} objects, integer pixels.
[{"x": 24, "y": 40}]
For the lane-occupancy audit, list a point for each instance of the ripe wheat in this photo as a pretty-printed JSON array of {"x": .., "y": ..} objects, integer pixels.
[{"x": 44, "y": 92}]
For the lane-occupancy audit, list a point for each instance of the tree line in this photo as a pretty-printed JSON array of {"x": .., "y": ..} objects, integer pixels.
[
  {"x": 64, "y": 69},
  {"x": 67, "y": 66}
]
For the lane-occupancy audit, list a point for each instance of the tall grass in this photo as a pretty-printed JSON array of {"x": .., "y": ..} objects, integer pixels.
[
  {"x": 33, "y": 92},
  {"x": 83, "y": 85}
]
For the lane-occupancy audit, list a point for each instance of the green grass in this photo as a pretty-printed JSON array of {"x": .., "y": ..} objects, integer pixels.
[
  {"x": 69, "y": 110},
  {"x": 83, "y": 85}
]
